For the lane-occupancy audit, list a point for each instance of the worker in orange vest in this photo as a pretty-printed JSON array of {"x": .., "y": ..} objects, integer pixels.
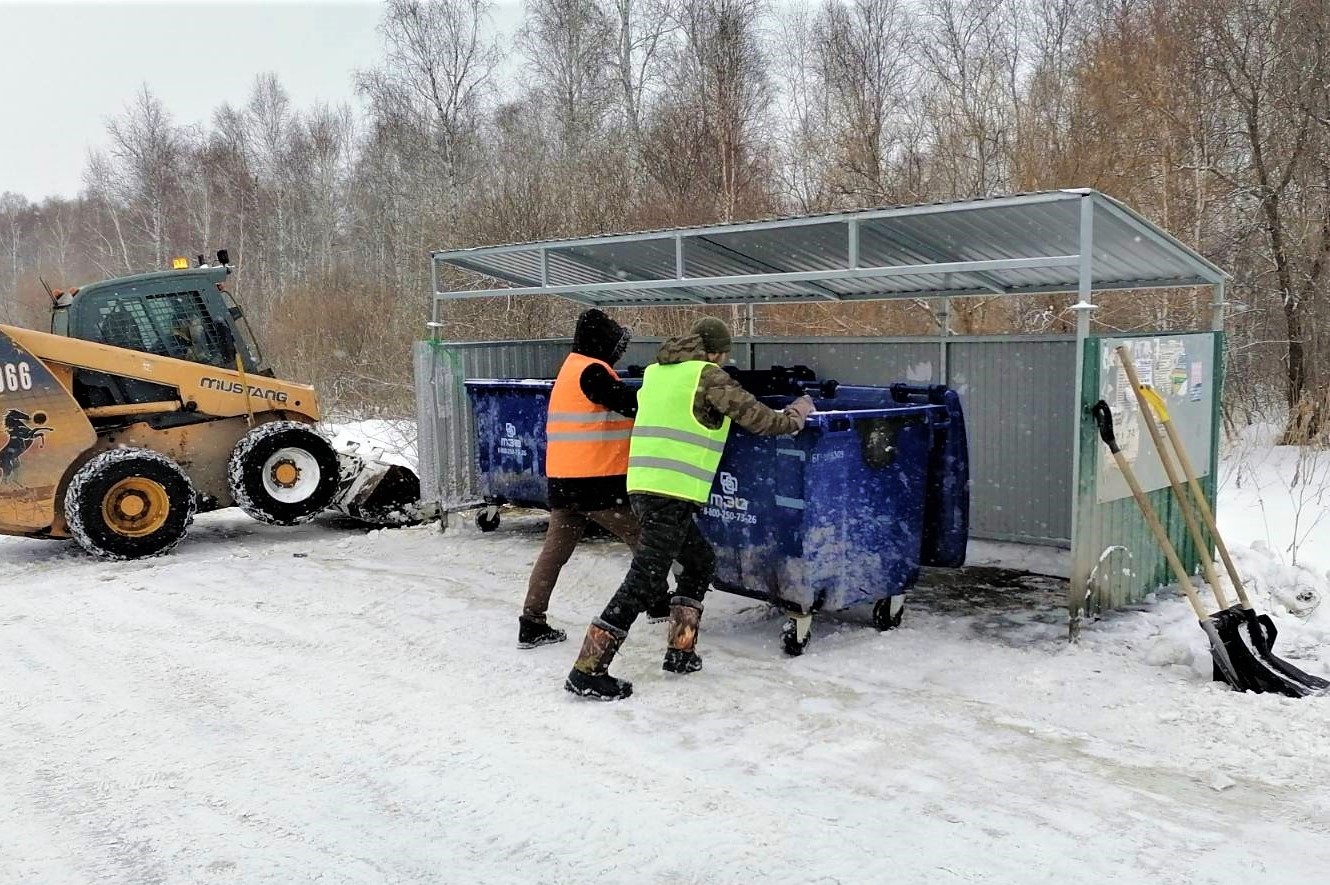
[{"x": 586, "y": 463}]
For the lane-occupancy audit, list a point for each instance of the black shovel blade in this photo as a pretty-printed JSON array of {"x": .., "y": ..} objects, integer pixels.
[
  {"x": 1236, "y": 664},
  {"x": 1223, "y": 667},
  {"x": 1261, "y": 630}
]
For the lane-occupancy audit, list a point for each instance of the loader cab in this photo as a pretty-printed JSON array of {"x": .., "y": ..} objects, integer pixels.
[
  {"x": 186, "y": 314},
  {"x": 181, "y": 314}
]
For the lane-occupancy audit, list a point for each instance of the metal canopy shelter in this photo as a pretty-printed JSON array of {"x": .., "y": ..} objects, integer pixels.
[
  {"x": 1067, "y": 241},
  {"x": 1050, "y": 242}
]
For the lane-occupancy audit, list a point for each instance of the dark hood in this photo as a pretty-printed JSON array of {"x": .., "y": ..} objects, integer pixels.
[
  {"x": 600, "y": 337},
  {"x": 681, "y": 350}
]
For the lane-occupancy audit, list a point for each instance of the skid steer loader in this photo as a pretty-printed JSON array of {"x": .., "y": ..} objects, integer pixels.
[{"x": 149, "y": 401}]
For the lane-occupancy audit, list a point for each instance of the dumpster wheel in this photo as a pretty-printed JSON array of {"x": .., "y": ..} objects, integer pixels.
[
  {"x": 487, "y": 520},
  {"x": 796, "y": 634},
  {"x": 888, "y": 613}
]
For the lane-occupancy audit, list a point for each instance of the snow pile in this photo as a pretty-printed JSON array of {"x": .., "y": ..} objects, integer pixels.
[
  {"x": 389, "y": 441},
  {"x": 1273, "y": 504},
  {"x": 1285, "y": 591}
]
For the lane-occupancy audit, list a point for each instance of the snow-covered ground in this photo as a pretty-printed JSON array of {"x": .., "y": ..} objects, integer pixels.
[{"x": 317, "y": 704}]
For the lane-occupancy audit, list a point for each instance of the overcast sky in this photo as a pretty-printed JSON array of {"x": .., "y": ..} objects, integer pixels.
[{"x": 66, "y": 68}]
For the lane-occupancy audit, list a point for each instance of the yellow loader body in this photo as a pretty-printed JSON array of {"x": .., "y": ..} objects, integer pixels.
[{"x": 45, "y": 435}]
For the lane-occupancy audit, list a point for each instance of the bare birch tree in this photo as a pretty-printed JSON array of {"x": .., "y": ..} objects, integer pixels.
[
  {"x": 863, "y": 65},
  {"x": 147, "y": 149}
]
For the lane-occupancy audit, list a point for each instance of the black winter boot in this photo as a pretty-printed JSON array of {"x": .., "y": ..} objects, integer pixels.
[
  {"x": 532, "y": 632},
  {"x": 590, "y": 676},
  {"x": 685, "y": 616},
  {"x": 677, "y": 661}
]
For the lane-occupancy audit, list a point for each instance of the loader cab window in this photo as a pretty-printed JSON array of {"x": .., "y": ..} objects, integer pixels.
[{"x": 174, "y": 324}]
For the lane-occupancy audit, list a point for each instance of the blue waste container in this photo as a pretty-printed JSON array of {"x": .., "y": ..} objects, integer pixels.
[
  {"x": 837, "y": 515},
  {"x": 844, "y": 513},
  {"x": 510, "y": 444},
  {"x": 947, "y": 503}
]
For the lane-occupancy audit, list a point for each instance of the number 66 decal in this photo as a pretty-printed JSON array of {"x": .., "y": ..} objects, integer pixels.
[{"x": 15, "y": 377}]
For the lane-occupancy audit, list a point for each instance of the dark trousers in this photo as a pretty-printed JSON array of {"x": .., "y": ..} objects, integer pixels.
[
  {"x": 565, "y": 530},
  {"x": 669, "y": 534}
]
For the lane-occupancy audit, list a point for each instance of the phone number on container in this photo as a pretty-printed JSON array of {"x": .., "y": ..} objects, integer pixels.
[{"x": 729, "y": 515}]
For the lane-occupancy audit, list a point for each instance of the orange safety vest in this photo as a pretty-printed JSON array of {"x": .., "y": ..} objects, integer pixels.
[{"x": 584, "y": 439}]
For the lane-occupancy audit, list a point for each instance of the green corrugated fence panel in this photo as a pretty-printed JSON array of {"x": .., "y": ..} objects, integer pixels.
[{"x": 1114, "y": 544}]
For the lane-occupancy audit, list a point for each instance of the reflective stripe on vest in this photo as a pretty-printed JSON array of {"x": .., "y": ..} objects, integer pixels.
[
  {"x": 672, "y": 453},
  {"x": 584, "y": 440}
]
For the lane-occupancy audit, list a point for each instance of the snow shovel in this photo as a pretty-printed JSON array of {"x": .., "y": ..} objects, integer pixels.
[
  {"x": 1260, "y": 628},
  {"x": 1233, "y": 661}
]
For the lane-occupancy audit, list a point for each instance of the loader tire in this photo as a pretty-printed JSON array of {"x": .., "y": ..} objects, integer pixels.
[
  {"x": 283, "y": 473},
  {"x": 129, "y": 504}
]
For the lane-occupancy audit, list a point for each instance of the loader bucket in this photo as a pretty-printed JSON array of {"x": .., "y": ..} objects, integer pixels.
[
  {"x": 42, "y": 433},
  {"x": 379, "y": 492}
]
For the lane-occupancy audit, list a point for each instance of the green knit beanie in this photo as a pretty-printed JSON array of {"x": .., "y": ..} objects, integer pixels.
[{"x": 715, "y": 335}]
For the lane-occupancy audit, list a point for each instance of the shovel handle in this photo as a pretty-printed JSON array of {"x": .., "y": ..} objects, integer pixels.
[
  {"x": 1198, "y": 495},
  {"x": 1103, "y": 417}
]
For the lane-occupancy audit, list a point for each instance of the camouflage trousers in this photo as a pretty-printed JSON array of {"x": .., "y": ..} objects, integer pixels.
[{"x": 669, "y": 534}]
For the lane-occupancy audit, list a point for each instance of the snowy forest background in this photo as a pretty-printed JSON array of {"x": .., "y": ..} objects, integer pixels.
[{"x": 1211, "y": 117}]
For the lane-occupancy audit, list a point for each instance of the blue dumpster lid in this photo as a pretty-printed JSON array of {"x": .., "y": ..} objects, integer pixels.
[
  {"x": 1023, "y": 244},
  {"x": 543, "y": 383}
]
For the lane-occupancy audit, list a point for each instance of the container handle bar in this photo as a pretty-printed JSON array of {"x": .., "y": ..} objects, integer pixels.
[{"x": 923, "y": 394}]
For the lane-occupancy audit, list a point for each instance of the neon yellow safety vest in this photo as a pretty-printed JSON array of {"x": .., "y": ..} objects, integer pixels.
[{"x": 671, "y": 452}]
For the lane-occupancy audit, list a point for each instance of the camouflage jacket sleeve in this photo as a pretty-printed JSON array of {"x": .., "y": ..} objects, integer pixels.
[{"x": 718, "y": 395}]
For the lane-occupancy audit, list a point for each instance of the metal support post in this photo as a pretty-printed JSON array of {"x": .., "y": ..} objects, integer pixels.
[
  {"x": 434, "y": 324},
  {"x": 1080, "y": 569},
  {"x": 944, "y": 332}
]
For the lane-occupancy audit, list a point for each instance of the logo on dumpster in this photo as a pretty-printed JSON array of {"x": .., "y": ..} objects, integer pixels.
[
  {"x": 728, "y": 483},
  {"x": 510, "y": 444},
  {"x": 729, "y": 506}
]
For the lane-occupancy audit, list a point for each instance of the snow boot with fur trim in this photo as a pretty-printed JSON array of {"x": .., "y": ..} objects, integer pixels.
[
  {"x": 590, "y": 676},
  {"x": 685, "y": 616}
]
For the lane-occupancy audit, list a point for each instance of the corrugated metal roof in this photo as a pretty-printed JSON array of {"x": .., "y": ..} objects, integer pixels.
[{"x": 1021, "y": 244}]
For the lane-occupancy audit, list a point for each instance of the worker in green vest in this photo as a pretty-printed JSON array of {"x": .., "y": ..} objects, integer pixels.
[{"x": 684, "y": 412}]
